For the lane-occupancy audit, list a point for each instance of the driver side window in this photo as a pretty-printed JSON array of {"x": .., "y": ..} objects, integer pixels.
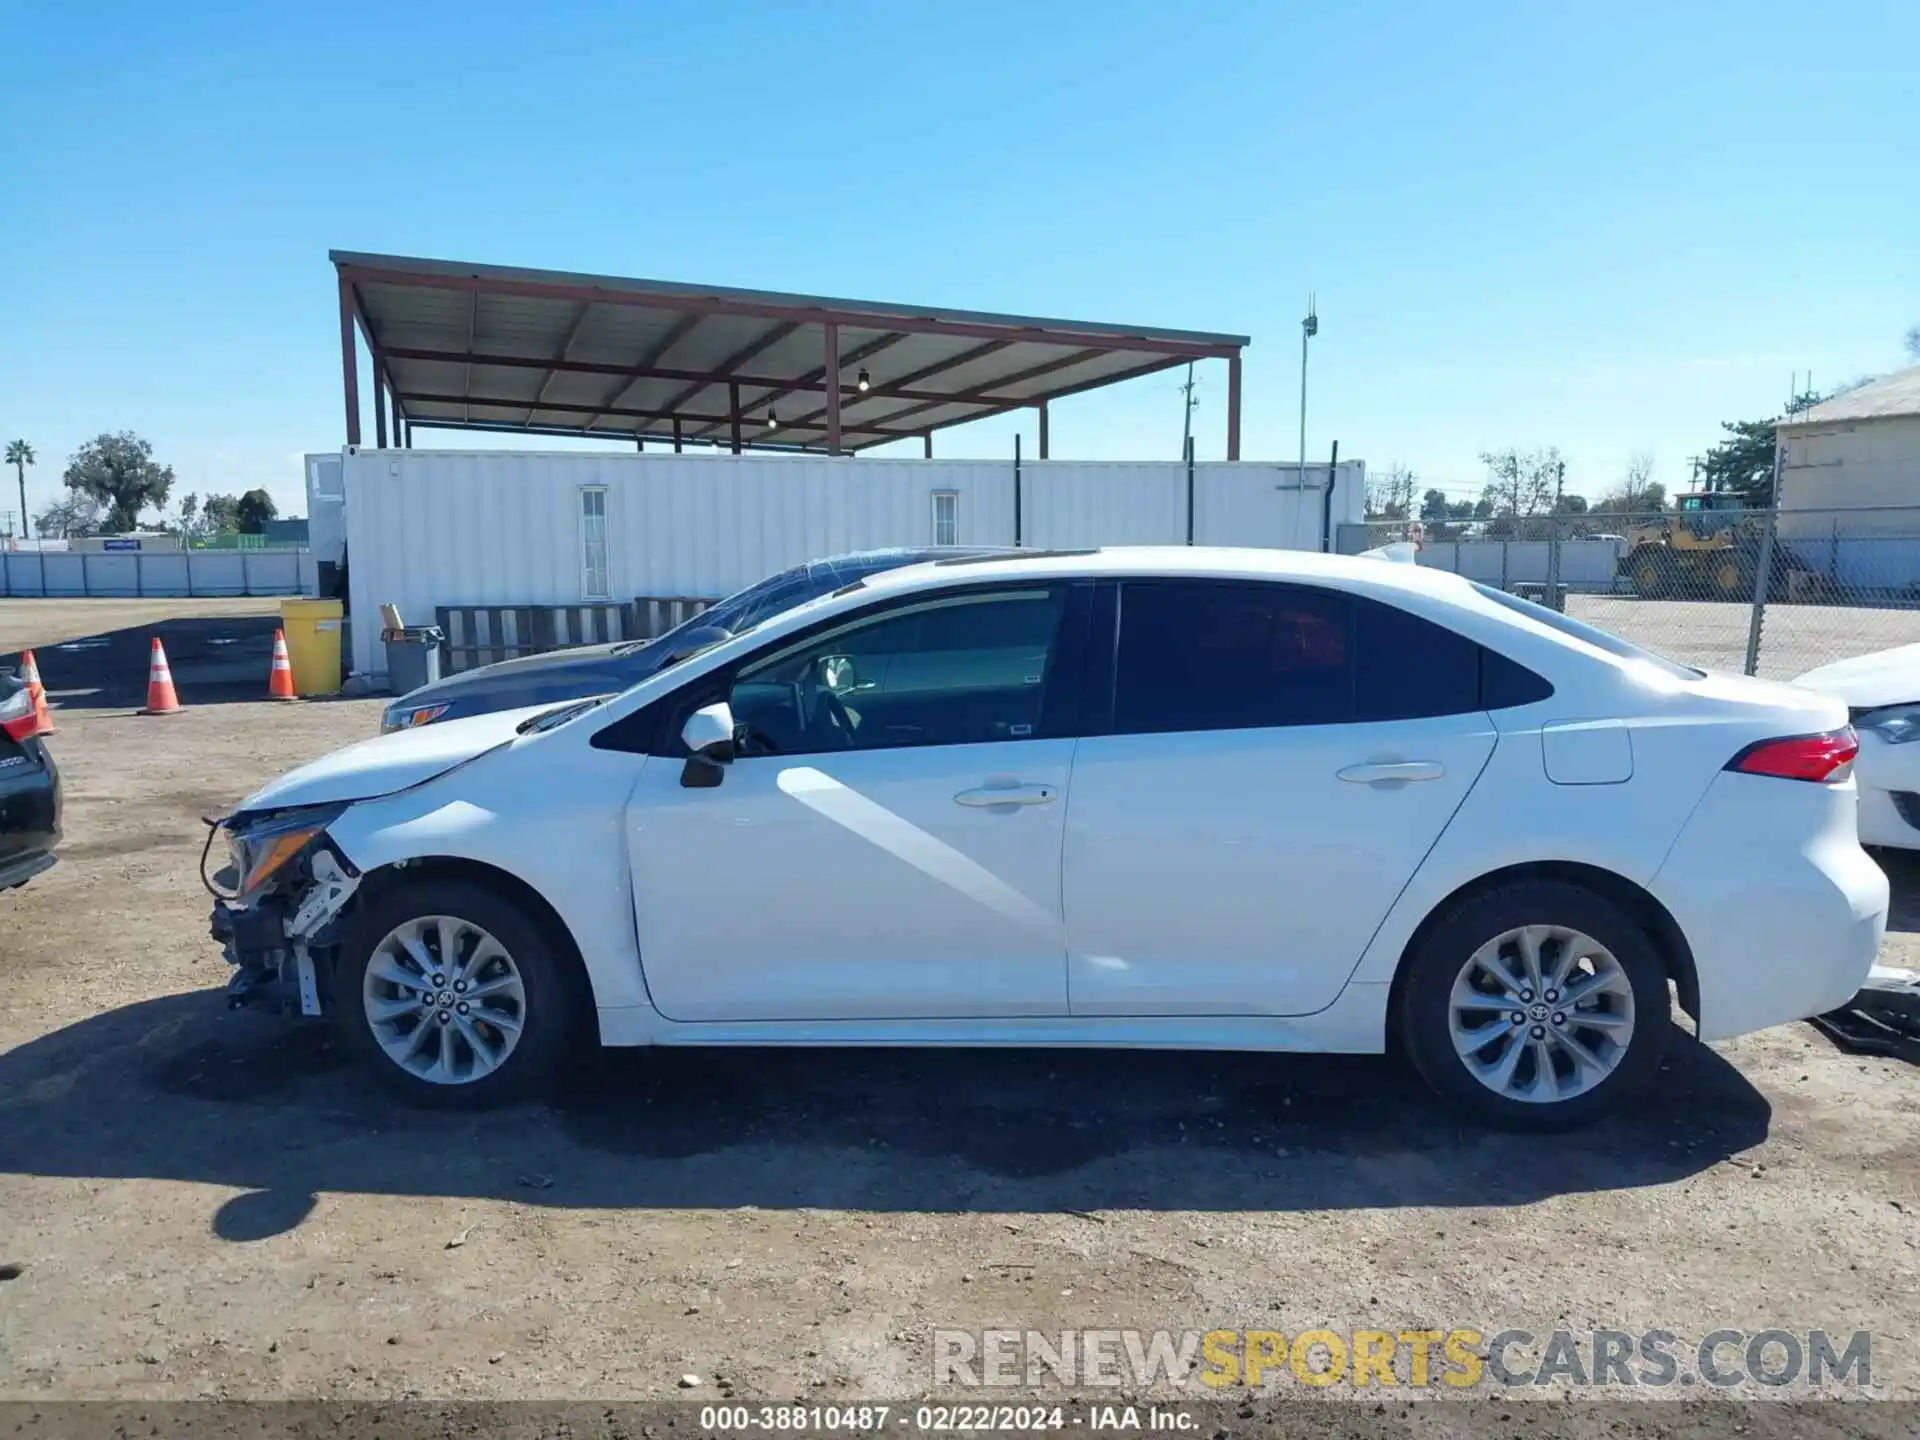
[{"x": 957, "y": 670}]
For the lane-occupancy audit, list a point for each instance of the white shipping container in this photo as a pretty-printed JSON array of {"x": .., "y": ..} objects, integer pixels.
[{"x": 427, "y": 528}]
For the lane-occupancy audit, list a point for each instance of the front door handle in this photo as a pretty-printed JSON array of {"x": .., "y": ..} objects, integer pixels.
[
  {"x": 1008, "y": 795},
  {"x": 1393, "y": 772}
]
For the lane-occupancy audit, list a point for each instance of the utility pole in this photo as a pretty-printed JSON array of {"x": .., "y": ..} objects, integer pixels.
[
  {"x": 1309, "y": 327},
  {"x": 1186, "y": 420}
]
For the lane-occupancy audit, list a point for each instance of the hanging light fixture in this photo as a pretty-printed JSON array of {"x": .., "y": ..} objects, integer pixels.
[
  {"x": 773, "y": 420},
  {"x": 863, "y": 383}
]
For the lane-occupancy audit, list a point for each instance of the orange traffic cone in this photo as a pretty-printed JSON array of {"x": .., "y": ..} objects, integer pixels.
[
  {"x": 160, "y": 697},
  {"x": 30, "y": 672},
  {"x": 280, "y": 678}
]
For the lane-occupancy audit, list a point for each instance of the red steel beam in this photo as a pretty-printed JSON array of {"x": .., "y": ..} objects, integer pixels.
[
  {"x": 728, "y": 366},
  {"x": 815, "y": 379},
  {"x": 673, "y": 337},
  {"x": 562, "y": 407},
  {"x": 1233, "y": 407},
  {"x": 566, "y": 352},
  {"x": 832, "y": 372},
  {"x": 507, "y": 427},
  {"x": 349, "y": 363},
  {"x": 796, "y": 314}
]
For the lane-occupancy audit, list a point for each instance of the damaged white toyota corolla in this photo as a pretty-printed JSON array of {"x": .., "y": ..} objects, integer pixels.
[{"x": 1201, "y": 798}]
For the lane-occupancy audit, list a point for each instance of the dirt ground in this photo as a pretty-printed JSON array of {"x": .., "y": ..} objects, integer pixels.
[{"x": 197, "y": 1203}]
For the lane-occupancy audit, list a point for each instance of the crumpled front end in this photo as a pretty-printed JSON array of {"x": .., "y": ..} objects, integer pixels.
[{"x": 279, "y": 908}]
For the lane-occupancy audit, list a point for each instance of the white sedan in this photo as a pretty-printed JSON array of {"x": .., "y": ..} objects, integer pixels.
[
  {"x": 1882, "y": 693},
  {"x": 1217, "y": 799}
]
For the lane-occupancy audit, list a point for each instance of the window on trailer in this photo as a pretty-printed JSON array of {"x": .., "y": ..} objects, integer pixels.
[
  {"x": 594, "y": 581},
  {"x": 946, "y": 517}
]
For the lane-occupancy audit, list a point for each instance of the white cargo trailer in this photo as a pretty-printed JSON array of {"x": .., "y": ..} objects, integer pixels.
[{"x": 425, "y": 529}]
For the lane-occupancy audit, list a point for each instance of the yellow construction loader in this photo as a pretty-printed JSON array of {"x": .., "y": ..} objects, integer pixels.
[{"x": 1707, "y": 549}]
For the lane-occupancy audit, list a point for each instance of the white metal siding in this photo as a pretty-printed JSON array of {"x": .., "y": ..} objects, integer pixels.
[{"x": 431, "y": 528}]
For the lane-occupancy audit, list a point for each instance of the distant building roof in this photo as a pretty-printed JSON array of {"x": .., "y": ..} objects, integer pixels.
[{"x": 1882, "y": 399}]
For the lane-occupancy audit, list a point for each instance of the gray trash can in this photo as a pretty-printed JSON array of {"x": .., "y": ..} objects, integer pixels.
[{"x": 413, "y": 657}]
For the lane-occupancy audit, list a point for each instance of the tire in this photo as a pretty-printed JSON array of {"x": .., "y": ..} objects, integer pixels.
[
  {"x": 1651, "y": 569},
  {"x": 1620, "y": 977},
  {"x": 528, "y": 984}
]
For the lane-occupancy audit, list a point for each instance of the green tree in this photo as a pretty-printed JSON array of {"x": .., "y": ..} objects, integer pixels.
[
  {"x": 20, "y": 455},
  {"x": 119, "y": 473},
  {"x": 1433, "y": 505},
  {"x": 1742, "y": 463},
  {"x": 69, "y": 517},
  {"x": 1521, "y": 482},
  {"x": 1390, "y": 494},
  {"x": 253, "y": 510},
  {"x": 220, "y": 515}
]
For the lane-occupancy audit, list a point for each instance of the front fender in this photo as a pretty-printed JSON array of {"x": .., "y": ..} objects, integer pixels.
[{"x": 563, "y": 838}]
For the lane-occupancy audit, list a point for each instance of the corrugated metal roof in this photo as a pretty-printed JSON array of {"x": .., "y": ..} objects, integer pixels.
[
  {"x": 1890, "y": 395},
  {"x": 490, "y": 347}
]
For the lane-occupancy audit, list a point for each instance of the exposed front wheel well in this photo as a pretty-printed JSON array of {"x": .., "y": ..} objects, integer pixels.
[
  {"x": 504, "y": 884},
  {"x": 1675, "y": 954}
]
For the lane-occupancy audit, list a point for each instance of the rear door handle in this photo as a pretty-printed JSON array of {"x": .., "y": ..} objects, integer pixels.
[
  {"x": 1010, "y": 795},
  {"x": 1393, "y": 772}
]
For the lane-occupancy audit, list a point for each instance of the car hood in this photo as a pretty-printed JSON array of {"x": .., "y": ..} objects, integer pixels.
[
  {"x": 577, "y": 665},
  {"x": 392, "y": 762},
  {"x": 1867, "y": 682}
]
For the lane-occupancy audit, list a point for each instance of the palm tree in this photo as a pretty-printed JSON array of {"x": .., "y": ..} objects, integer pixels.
[{"x": 20, "y": 455}]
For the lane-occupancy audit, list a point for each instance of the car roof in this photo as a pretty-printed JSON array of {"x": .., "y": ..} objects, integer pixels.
[{"x": 1214, "y": 562}]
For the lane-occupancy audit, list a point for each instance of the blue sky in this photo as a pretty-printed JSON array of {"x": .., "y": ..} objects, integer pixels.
[{"x": 1606, "y": 228}]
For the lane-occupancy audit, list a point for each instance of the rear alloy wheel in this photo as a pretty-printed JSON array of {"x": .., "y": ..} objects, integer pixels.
[
  {"x": 1536, "y": 1006},
  {"x": 455, "y": 995}
]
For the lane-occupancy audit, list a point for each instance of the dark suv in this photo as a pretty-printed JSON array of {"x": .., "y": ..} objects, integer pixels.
[
  {"x": 584, "y": 670},
  {"x": 29, "y": 789}
]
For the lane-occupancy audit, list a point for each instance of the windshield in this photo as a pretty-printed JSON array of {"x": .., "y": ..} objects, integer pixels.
[
  {"x": 744, "y": 609},
  {"x": 1591, "y": 634}
]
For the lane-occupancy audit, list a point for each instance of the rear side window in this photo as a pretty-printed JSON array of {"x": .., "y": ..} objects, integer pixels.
[
  {"x": 1408, "y": 668},
  {"x": 1206, "y": 655},
  {"x": 1198, "y": 655}
]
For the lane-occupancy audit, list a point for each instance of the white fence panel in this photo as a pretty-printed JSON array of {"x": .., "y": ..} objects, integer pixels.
[{"x": 66, "y": 574}]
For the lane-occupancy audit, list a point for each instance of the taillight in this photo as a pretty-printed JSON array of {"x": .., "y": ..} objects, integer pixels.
[
  {"x": 1823, "y": 757},
  {"x": 16, "y": 714}
]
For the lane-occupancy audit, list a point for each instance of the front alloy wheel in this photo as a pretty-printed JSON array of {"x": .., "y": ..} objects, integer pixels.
[
  {"x": 444, "y": 999},
  {"x": 458, "y": 993}
]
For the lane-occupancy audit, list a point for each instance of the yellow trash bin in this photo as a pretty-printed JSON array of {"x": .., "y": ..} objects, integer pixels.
[{"x": 313, "y": 644}]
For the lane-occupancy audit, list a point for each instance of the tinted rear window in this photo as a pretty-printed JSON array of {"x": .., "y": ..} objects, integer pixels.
[
  {"x": 1592, "y": 635},
  {"x": 1212, "y": 655}
]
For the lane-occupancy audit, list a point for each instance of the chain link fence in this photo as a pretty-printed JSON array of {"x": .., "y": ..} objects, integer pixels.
[{"x": 1753, "y": 591}]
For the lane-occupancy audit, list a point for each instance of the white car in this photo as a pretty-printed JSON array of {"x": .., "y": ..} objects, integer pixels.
[
  {"x": 1882, "y": 693},
  {"x": 1218, "y": 799}
]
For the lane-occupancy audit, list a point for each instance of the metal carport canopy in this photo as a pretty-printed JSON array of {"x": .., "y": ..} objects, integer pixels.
[{"x": 499, "y": 348}]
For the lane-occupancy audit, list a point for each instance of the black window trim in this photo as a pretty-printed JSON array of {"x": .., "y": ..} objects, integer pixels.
[{"x": 654, "y": 729}]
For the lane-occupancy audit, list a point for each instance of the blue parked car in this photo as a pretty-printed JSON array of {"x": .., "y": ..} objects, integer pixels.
[{"x": 581, "y": 671}]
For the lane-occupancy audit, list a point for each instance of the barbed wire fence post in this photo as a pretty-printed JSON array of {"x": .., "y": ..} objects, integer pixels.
[{"x": 1763, "y": 569}]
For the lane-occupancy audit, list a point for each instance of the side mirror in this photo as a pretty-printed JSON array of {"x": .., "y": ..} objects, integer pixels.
[{"x": 708, "y": 736}]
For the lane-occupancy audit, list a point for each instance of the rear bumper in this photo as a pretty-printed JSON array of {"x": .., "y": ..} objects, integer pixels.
[
  {"x": 1783, "y": 910},
  {"x": 17, "y": 870}
]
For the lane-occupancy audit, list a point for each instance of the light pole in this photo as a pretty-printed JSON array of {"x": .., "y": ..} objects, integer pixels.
[{"x": 1309, "y": 328}]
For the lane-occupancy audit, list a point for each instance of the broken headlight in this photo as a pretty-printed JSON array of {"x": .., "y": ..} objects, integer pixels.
[{"x": 262, "y": 847}]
